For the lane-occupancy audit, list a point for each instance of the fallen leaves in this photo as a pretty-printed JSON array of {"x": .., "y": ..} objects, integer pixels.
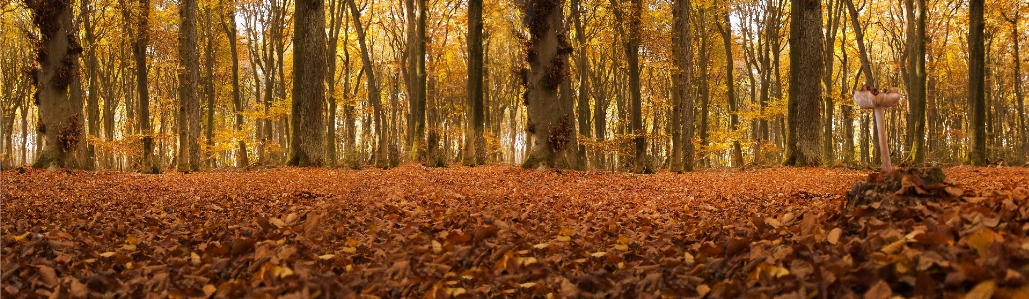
[{"x": 504, "y": 232}]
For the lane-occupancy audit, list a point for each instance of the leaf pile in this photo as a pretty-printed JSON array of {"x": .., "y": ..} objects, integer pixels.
[{"x": 501, "y": 231}]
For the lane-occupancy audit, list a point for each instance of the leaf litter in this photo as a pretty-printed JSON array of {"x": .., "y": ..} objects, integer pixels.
[{"x": 500, "y": 231}]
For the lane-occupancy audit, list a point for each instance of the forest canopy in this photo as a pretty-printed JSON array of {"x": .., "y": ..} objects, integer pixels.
[{"x": 641, "y": 85}]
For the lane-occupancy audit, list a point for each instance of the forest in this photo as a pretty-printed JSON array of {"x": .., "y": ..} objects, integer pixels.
[
  {"x": 640, "y": 86},
  {"x": 513, "y": 149}
]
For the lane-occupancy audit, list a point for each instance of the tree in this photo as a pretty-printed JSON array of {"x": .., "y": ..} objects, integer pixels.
[
  {"x": 138, "y": 28},
  {"x": 977, "y": 82},
  {"x": 916, "y": 10},
  {"x": 374, "y": 98},
  {"x": 228, "y": 24},
  {"x": 60, "y": 109},
  {"x": 551, "y": 123},
  {"x": 189, "y": 107},
  {"x": 307, "y": 148},
  {"x": 475, "y": 142},
  {"x": 1019, "y": 94},
  {"x": 337, "y": 21},
  {"x": 805, "y": 124},
  {"x": 730, "y": 88},
  {"x": 630, "y": 28},
  {"x": 682, "y": 109},
  {"x": 417, "y": 14}
]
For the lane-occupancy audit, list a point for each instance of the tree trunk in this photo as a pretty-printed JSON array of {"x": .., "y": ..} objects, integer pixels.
[
  {"x": 704, "y": 83},
  {"x": 475, "y": 142},
  {"x": 417, "y": 19},
  {"x": 682, "y": 54},
  {"x": 237, "y": 101},
  {"x": 1019, "y": 95},
  {"x": 87, "y": 13},
  {"x": 189, "y": 108},
  {"x": 630, "y": 28},
  {"x": 551, "y": 122},
  {"x": 209, "y": 86},
  {"x": 916, "y": 10},
  {"x": 977, "y": 82},
  {"x": 337, "y": 21},
  {"x": 582, "y": 66},
  {"x": 730, "y": 87},
  {"x": 60, "y": 109},
  {"x": 374, "y": 98},
  {"x": 804, "y": 129},
  {"x": 307, "y": 144},
  {"x": 835, "y": 10}
]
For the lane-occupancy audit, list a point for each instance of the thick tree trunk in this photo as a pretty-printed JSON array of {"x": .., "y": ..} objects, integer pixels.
[
  {"x": 189, "y": 107},
  {"x": 475, "y": 142},
  {"x": 977, "y": 82},
  {"x": 307, "y": 144},
  {"x": 805, "y": 122},
  {"x": 551, "y": 122},
  {"x": 916, "y": 10},
  {"x": 60, "y": 110},
  {"x": 417, "y": 11},
  {"x": 682, "y": 54}
]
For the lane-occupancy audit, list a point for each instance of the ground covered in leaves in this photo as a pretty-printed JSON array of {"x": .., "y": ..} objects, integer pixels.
[{"x": 501, "y": 231}]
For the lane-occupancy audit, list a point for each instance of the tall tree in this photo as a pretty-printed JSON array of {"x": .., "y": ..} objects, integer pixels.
[
  {"x": 88, "y": 16},
  {"x": 307, "y": 146},
  {"x": 682, "y": 109},
  {"x": 1019, "y": 94},
  {"x": 60, "y": 110},
  {"x": 417, "y": 11},
  {"x": 337, "y": 15},
  {"x": 475, "y": 142},
  {"x": 629, "y": 26},
  {"x": 805, "y": 124},
  {"x": 189, "y": 107},
  {"x": 977, "y": 82},
  {"x": 139, "y": 32},
  {"x": 551, "y": 123},
  {"x": 725, "y": 27},
  {"x": 916, "y": 10},
  {"x": 374, "y": 97},
  {"x": 832, "y": 24},
  {"x": 582, "y": 65},
  {"x": 228, "y": 24}
]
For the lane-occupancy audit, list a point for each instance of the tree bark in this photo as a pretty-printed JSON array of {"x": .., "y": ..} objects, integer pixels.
[
  {"x": 231, "y": 34},
  {"x": 682, "y": 53},
  {"x": 804, "y": 129},
  {"x": 189, "y": 107},
  {"x": 1019, "y": 93},
  {"x": 730, "y": 89},
  {"x": 475, "y": 142},
  {"x": 977, "y": 82},
  {"x": 60, "y": 110},
  {"x": 916, "y": 10},
  {"x": 307, "y": 144},
  {"x": 629, "y": 26},
  {"x": 551, "y": 122},
  {"x": 374, "y": 98},
  {"x": 582, "y": 66},
  {"x": 209, "y": 93},
  {"x": 417, "y": 19}
]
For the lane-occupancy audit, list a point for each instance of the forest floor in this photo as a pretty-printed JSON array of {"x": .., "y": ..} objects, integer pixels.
[{"x": 500, "y": 231}]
